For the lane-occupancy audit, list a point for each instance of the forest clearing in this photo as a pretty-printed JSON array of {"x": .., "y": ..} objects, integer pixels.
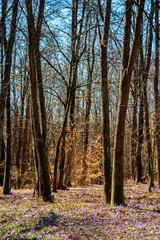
[{"x": 81, "y": 213}]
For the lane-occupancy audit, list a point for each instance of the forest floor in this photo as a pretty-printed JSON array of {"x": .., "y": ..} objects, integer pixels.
[{"x": 81, "y": 213}]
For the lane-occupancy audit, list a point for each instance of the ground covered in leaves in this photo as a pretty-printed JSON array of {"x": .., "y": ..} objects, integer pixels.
[{"x": 81, "y": 213}]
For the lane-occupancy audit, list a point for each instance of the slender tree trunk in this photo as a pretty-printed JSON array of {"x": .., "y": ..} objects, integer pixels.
[
  {"x": 61, "y": 165},
  {"x": 73, "y": 87},
  {"x": 6, "y": 181},
  {"x": 2, "y": 156},
  {"x": 134, "y": 125},
  {"x": 156, "y": 89},
  {"x": 90, "y": 67},
  {"x": 75, "y": 57},
  {"x": 61, "y": 136},
  {"x": 35, "y": 156},
  {"x": 145, "y": 71},
  {"x": 105, "y": 102},
  {"x": 117, "y": 195},
  {"x": 2, "y": 162},
  {"x": 8, "y": 46},
  {"x": 19, "y": 143},
  {"x": 140, "y": 134},
  {"x": 26, "y": 133}
]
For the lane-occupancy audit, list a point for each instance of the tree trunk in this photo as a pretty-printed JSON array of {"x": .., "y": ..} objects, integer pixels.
[
  {"x": 61, "y": 136},
  {"x": 156, "y": 89},
  {"x": 140, "y": 133},
  {"x": 134, "y": 125},
  {"x": 26, "y": 133},
  {"x": 145, "y": 71},
  {"x": 75, "y": 57},
  {"x": 105, "y": 103},
  {"x": 8, "y": 46},
  {"x": 37, "y": 100},
  {"x": 117, "y": 195},
  {"x": 2, "y": 162},
  {"x": 19, "y": 143},
  {"x": 61, "y": 165},
  {"x": 6, "y": 181}
]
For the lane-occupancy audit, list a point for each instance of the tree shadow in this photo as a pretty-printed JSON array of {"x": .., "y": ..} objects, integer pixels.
[
  {"x": 42, "y": 223},
  {"x": 47, "y": 221}
]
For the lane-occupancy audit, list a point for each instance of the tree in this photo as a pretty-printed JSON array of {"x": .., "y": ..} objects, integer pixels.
[
  {"x": 145, "y": 72},
  {"x": 5, "y": 86},
  {"x": 138, "y": 177},
  {"x": 156, "y": 89},
  {"x": 76, "y": 56},
  {"x": 90, "y": 68},
  {"x": 134, "y": 124},
  {"x": 128, "y": 60},
  {"x": 105, "y": 102},
  {"x": 37, "y": 99}
]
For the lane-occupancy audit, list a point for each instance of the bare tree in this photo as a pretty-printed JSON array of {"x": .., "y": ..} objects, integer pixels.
[
  {"x": 105, "y": 102},
  {"x": 37, "y": 99},
  {"x": 5, "y": 86},
  {"x": 128, "y": 60}
]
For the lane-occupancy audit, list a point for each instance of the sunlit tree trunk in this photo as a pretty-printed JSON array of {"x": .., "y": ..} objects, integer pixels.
[
  {"x": 61, "y": 165},
  {"x": 128, "y": 60},
  {"x": 156, "y": 89}
]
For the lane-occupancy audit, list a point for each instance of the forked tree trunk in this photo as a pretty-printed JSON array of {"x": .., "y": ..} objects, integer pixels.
[
  {"x": 37, "y": 100},
  {"x": 8, "y": 46},
  {"x": 5, "y": 89}
]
